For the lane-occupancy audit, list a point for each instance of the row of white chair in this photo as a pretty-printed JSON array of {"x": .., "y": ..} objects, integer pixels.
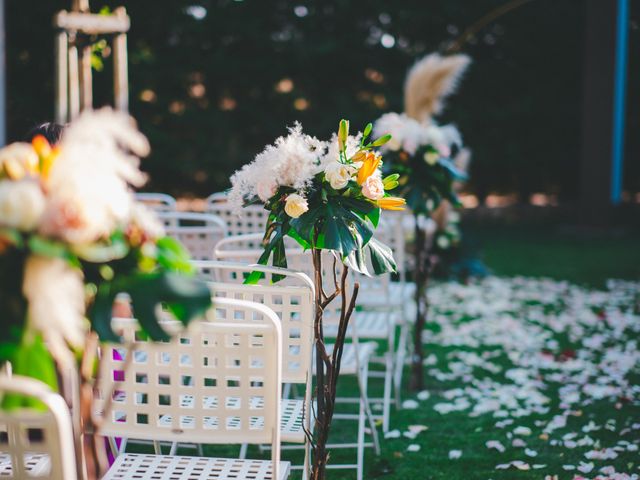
[{"x": 218, "y": 382}]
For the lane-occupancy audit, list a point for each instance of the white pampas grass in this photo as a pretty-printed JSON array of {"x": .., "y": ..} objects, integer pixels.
[
  {"x": 291, "y": 161},
  {"x": 89, "y": 183},
  {"x": 430, "y": 81},
  {"x": 55, "y": 293}
]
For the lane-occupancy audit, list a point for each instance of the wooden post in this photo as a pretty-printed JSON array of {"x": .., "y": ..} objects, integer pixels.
[
  {"x": 74, "y": 82},
  {"x": 86, "y": 80},
  {"x": 74, "y": 77},
  {"x": 62, "y": 75},
  {"x": 120, "y": 76}
]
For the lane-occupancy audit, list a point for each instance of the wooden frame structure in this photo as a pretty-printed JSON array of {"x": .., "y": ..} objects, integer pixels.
[{"x": 74, "y": 85}]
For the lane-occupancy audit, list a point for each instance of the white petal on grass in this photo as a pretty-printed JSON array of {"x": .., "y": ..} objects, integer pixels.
[
  {"x": 496, "y": 445},
  {"x": 423, "y": 395},
  {"x": 410, "y": 404},
  {"x": 585, "y": 467},
  {"x": 455, "y": 454},
  {"x": 414, "y": 447},
  {"x": 417, "y": 428},
  {"x": 530, "y": 453},
  {"x": 522, "y": 431},
  {"x": 392, "y": 434}
]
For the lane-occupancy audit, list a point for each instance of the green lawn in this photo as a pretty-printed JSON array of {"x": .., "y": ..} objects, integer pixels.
[{"x": 582, "y": 257}]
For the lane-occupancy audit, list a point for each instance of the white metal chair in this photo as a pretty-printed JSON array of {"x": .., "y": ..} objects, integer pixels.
[
  {"x": 158, "y": 202},
  {"x": 356, "y": 355},
  {"x": 292, "y": 300},
  {"x": 34, "y": 443},
  {"x": 378, "y": 325},
  {"x": 218, "y": 382},
  {"x": 252, "y": 219},
  {"x": 198, "y": 232}
]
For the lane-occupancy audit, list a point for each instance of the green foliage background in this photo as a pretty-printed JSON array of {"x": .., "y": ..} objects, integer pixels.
[{"x": 519, "y": 107}]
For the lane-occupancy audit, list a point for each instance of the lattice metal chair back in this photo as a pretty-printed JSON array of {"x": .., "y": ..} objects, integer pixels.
[
  {"x": 218, "y": 382},
  {"x": 198, "y": 232},
  {"x": 34, "y": 443},
  {"x": 252, "y": 219},
  {"x": 158, "y": 202},
  {"x": 292, "y": 301}
]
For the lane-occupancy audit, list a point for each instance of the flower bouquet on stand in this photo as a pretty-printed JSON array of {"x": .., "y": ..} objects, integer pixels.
[
  {"x": 72, "y": 237},
  {"x": 428, "y": 157},
  {"x": 326, "y": 196}
]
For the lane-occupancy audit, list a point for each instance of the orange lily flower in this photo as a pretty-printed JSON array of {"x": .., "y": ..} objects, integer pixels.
[
  {"x": 46, "y": 154},
  {"x": 392, "y": 203},
  {"x": 369, "y": 166}
]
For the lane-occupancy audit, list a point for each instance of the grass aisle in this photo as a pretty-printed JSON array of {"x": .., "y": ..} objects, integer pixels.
[{"x": 526, "y": 379}]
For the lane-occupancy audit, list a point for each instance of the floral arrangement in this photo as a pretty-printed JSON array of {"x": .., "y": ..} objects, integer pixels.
[
  {"x": 423, "y": 154},
  {"x": 72, "y": 235},
  {"x": 325, "y": 195}
]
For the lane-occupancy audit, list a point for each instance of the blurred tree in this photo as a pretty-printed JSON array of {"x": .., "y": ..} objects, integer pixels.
[{"x": 212, "y": 81}]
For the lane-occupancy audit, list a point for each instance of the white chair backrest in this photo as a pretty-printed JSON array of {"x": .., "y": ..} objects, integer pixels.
[
  {"x": 248, "y": 248},
  {"x": 158, "y": 202},
  {"x": 33, "y": 443},
  {"x": 217, "y": 382},
  {"x": 252, "y": 218},
  {"x": 292, "y": 300},
  {"x": 198, "y": 232}
]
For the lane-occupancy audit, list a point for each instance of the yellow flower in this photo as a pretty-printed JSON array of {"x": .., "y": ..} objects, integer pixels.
[
  {"x": 46, "y": 154},
  {"x": 392, "y": 203},
  {"x": 369, "y": 166},
  {"x": 359, "y": 156}
]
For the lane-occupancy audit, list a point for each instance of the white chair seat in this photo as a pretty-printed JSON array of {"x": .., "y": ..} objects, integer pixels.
[
  {"x": 133, "y": 465},
  {"x": 291, "y": 421},
  {"x": 36, "y": 464},
  {"x": 349, "y": 365},
  {"x": 369, "y": 325}
]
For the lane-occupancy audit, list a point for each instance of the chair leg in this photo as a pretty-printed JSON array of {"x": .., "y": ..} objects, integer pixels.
[
  {"x": 174, "y": 448},
  {"x": 157, "y": 449},
  {"x": 360, "y": 451},
  {"x": 401, "y": 355},
  {"x": 243, "y": 451},
  {"x": 388, "y": 380},
  {"x": 362, "y": 377}
]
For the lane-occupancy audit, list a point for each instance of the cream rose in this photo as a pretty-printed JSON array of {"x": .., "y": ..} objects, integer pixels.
[
  {"x": 18, "y": 160},
  {"x": 22, "y": 204},
  {"x": 373, "y": 188},
  {"x": 338, "y": 174},
  {"x": 266, "y": 188},
  {"x": 296, "y": 205}
]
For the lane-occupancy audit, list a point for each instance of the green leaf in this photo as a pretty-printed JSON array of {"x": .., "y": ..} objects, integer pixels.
[
  {"x": 173, "y": 256},
  {"x": 31, "y": 359},
  {"x": 338, "y": 236},
  {"x": 367, "y": 130},
  {"x": 97, "y": 253},
  {"x": 374, "y": 216},
  {"x": 47, "y": 248},
  {"x": 100, "y": 313},
  {"x": 381, "y": 257},
  {"x": 357, "y": 259},
  {"x": 382, "y": 140},
  {"x": 186, "y": 297}
]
